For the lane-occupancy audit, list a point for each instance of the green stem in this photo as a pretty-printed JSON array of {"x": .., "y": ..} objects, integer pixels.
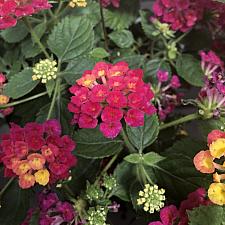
[
  {"x": 5, "y": 188},
  {"x": 184, "y": 119},
  {"x": 107, "y": 167},
  {"x": 181, "y": 37},
  {"x": 127, "y": 142},
  {"x": 23, "y": 100},
  {"x": 103, "y": 27},
  {"x": 57, "y": 88},
  {"x": 35, "y": 37}
]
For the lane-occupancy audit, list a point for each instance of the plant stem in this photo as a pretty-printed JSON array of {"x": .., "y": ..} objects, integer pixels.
[
  {"x": 103, "y": 27},
  {"x": 5, "y": 188},
  {"x": 109, "y": 164},
  {"x": 35, "y": 37},
  {"x": 127, "y": 142},
  {"x": 23, "y": 100},
  {"x": 184, "y": 119},
  {"x": 57, "y": 88}
]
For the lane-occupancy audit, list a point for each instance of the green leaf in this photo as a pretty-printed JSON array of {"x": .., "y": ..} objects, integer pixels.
[
  {"x": 134, "y": 61},
  {"x": 177, "y": 173},
  {"x": 134, "y": 158},
  {"x": 145, "y": 23},
  {"x": 142, "y": 137},
  {"x": 152, "y": 158},
  {"x": 40, "y": 30},
  {"x": 122, "y": 38},
  {"x": 71, "y": 38},
  {"x": 92, "y": 144},
  {"x": 122, "y": 17},
  {"x": 20, "y": 84},
  {"x": 30, "y": 50},
  {"x": 75, "y": 69},
  {"x": 189, "y": 69},
  {"x": 207, "y": 215},
  {"x": 134, "y": 193},
  {"x": 14, "y": 205},
  {"x": 50, "y": 87},
  {"x": 124, "y": 174},
  {"x": 99, "y": 53},
  {"x": 15, "y": 34},
  {"x": 151, "y": 68},
  {"x": 206, "y": 126}
]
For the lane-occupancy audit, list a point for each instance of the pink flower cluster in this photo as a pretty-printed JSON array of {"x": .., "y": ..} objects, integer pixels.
[
  {"x": 12, "y": 10},
  {"x": 166, "y": 97},
  {"x": 52, "y": 210},
  {"x": 181, "y": 14},
  {"x": 171, "y": 215},
  {"x": 114, "y": 3},
  {"x": 112, "y": 92},
  {"x": 3, "y": 98},
  {"x": 37, "y": 153}
]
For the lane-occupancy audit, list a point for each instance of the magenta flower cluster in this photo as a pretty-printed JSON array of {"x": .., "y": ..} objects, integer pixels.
[{"x": 52, "y": 210}]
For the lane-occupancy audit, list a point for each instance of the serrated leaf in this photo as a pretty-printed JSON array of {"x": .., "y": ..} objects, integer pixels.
[
  {"x": 134, "y": 61},
  {"x": 207, "y": 215},
  {"x": 20, "y": 84},
  {"x": 122, "y": 17},
  {"x": 99, "y": 53},
  {"x": 50, "y": 87},
  {"x": 92, "y": 144},
  {"x": 189, "y": 69},
  {"x": 122, "y": 38},
  {"x": 134, "y": 190},
  {"x": 146, "y": 26},
  {"x": 124, "y": 173},
  {"x": 152, "y": 158},
  {"x": 40, "y": 30},
  {"x": 75, "y": 69},
  {"x": 142, "y": 137},
  {"x": 134, "y": 158},
  {"x": 15, "y": 34},
  {"x": 30, "y": 50},
  {"x": 71, "y": 38}
]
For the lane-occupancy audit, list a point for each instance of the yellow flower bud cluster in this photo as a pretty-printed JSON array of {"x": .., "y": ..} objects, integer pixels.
[
  {"x": 45, "y": 70},
  {"x": 152, "y": 198},
  {"x": 78, "y": 3}
]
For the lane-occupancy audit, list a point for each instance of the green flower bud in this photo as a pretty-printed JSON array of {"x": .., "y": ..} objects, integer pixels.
[
  {"x": 172, "y": 51},
  {"x": 151, "y": 198},
  {"x": 45, "y": 70},
  {"x": 109, "y": 182},
  {"x": 163, "y": 28},
  {"x": 97, "y": 216},
  {"x": 94, "y": 192}
]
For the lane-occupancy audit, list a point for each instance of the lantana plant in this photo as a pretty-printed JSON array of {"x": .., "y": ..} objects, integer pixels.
[{"x": 105, "y": 109}]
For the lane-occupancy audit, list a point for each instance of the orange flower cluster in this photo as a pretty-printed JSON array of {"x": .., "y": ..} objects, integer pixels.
[{"x": 209, "y": 161}]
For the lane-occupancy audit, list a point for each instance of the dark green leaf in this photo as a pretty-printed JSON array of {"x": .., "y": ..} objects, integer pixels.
[
  {"x": 134, "y": 158},
  {"x": 15, "y": 34},
  {"x": 20, "y": 84},
  {"x": 40, "y": 30},
  {"x": 134, "y": 193},
  {"x": 99, "y": 53},
  {"x": 146, "y": 26},
  {"x": 75, "y": 69},
  {"x": 134, "y": 61},
  {"x": 50, "y": 87},
  {"x": 30, "y": 50},
  {"x": 189, "y": 69},
  {"x": 122, "y": 38},
  {"x": 207, "y": 215},
  {"x": 152, "y": 158},
  {"x": 142, "y": 137},
  {"x": 71, "y": 38},
  {"x": 92, "y": 144}
]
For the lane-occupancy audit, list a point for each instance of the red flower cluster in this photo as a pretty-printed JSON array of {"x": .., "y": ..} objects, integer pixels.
[
  {"x": 12, "y": 10},
  {"x": 114, "y": 3},
  {"x": 3, "y": 98},
  {"x": 114, "y": 92},
  {"x": 37, "y": 153}
]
